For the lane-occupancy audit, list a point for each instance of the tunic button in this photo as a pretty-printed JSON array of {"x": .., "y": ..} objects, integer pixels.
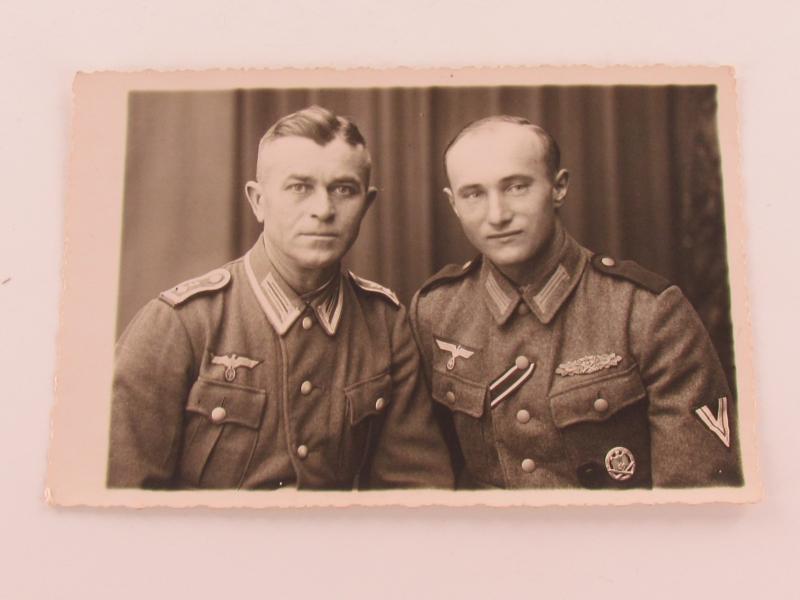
[
  {"x": 522, "y": 363},
  {"x": 601, "y": 405},
  {"x": 380, "y": 403},
  {"x": 307, "y": 322},
  {"x": 608, "y": 261},
  {"x": 528, "y": 465},
  {"x": 302, "y": 451},
  {"x": 218, "y": 414},
  {"x": 522, "y": 309},
  {"x": 305, "y": 388},
  {"x": 523, "y": 416},
  {"x": 450, "y": 397}
]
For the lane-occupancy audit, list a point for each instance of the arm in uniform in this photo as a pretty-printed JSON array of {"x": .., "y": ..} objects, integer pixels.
[
  {"x": 691, "y": 409},
  {"x": 153, "y": 373},
  {"x": 407, "y": 447}
]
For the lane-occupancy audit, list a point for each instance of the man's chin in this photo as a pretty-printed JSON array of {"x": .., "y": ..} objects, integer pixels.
[
  {"x": 507, "y": 257},
  {"x": 318, "y": 261}
]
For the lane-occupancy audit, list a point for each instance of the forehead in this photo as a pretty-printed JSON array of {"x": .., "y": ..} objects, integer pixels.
[
  {"x": 494, "y": 151},
  {"x": 303, "y": 156}
]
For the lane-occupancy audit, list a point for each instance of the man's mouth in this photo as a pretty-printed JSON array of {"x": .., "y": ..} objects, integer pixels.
[
  {"x": 503, "y": 235},
  {"x": 320, "y": 235}
]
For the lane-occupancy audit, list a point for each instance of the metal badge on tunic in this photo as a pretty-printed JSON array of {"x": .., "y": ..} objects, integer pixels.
[
  {"x": 620, "y": 463},
  {"x": 455, "y": 350},
  {"x": 588, "y": 364},
  {"x": 233, "y": 362}
]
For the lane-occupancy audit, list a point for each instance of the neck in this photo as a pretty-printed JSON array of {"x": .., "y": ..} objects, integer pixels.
[
  {"x": 299, "y": 279},
  {"x": 538, "y": 265}
]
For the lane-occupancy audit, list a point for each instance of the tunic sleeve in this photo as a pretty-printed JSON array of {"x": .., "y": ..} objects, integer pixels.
[
  {"x": 153, "y": 370},
  {"x": 691, "y": 410},
  {"x": 410, "y": 451}
]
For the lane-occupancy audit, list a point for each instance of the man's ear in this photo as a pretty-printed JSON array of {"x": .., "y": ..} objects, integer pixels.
[
  {"x": 451, "y": 198},
  {"x": 254, "y": 196},
  {"x": 560, "y": 186},
  {"x": 372, "y": 195}
]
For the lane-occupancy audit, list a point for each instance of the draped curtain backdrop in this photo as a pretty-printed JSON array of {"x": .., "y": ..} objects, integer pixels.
[{"x": 644, "y": 163}]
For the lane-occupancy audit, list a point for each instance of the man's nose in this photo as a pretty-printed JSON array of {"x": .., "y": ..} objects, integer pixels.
[
  {"x": 321, "y": 206},
  {"x": 498, "y": 214}
]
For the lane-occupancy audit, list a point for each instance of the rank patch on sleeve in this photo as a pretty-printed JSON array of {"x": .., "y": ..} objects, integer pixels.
[
  {"x": 717, "y": 424},
  {"x": 510, "y": 381}
]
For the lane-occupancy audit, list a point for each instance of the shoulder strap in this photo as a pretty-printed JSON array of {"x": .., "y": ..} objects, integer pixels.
[
  {"x": 450, "y": 273},
  {"x": 631, "y": 271},
  {"x": 211, "y": 281},
  {"x": 375, "y": 288}
]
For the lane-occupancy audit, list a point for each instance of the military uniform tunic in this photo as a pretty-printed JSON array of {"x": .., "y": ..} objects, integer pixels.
[
  {"x": 597, "y": 374},
  {"x": 232, "y": 380}
]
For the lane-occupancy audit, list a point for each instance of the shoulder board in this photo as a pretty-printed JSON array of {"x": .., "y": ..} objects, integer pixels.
[
  {"x": 632, "y": 271},
  {"x": 211, "y": 281},
  {"x": 450, "y": 272},
  {"x": 375, "y": 288}
]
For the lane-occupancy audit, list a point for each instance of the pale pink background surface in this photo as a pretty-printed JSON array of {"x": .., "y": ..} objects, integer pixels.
[{"x": 659, "y": 551}]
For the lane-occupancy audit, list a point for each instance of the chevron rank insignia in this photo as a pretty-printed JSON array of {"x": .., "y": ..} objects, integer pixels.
[
  {"x": 376, "y": 288},
  {"x": 214, "y": 280},
  {"x": 588, "y": 364},
  {"x": 231, "y": 363},
  {"x": 455, "y": 350},
  {"x": 717, "y": 424},
  {"x": 510, "y": 381}
]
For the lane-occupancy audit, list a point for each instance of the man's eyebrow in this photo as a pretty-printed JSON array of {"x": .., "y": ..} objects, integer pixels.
[
  {"x": 520, "y": 177},
  {"x": 303, "y": 178},
  {"x": 469, "y": 187},
  {"x": 346, "y": 179}
]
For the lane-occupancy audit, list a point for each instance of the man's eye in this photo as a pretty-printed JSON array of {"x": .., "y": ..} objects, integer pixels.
[
  {"x": 517, "y": 188},
  {"x": 344, "y": 190},
  {"x": 473, "y": 195},
  {"x": 299, "y": 188}
]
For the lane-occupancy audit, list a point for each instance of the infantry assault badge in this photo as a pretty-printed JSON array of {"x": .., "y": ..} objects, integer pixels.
[
  {"x": 620, "y": 463},
  {"x": 455, "y": 350},
  {"x": 588, "y": 364},
  {"x": 233, "y": 362}
]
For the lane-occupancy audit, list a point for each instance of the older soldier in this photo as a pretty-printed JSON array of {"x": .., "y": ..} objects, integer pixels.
[
  {"x": 278, "y": 369},
  {"x": 556, "y": 367}
]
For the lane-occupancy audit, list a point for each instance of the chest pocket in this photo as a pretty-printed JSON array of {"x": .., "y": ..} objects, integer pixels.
[
  {"x": 458, "y": 394},
  {"x": 369, "y": 397},
  {"x": 598, "y": 419},
  {"x": 365, "y": 401},
  {"x": 222, "y": 428},
  {"x": 597, "y": 400}
]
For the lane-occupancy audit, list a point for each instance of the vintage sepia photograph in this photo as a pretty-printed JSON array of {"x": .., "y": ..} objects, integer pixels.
[{"x": 501, "y": 287}]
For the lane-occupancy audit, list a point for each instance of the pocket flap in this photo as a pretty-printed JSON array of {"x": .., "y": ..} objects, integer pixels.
[
  {"x": 458, "y": 394},
  {"x": 368, "y": 397},
  {"x": 597, "y": 400},
  {"x": 225, "y": 403}
]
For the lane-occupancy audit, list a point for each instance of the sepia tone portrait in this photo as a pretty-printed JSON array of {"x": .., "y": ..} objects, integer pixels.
[{"x": 451, "y": 288}]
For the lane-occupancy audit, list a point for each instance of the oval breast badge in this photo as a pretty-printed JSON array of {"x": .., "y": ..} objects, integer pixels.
[{"x": 620, "y": 463}]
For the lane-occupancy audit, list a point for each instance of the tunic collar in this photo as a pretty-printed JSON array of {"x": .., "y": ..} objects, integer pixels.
[
  {"x": 558, "y": 274},
  {"x": 281, "y": 304}
]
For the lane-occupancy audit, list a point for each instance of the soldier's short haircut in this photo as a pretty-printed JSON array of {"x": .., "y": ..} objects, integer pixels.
[
  {"x": 317, "y": 124},
  {"x": 552, "y": 153}
]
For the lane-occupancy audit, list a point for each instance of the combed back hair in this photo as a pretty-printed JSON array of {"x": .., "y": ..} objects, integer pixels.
[
  {"x": 552, "y": 153},
  {"x": 314, "y": 123}
]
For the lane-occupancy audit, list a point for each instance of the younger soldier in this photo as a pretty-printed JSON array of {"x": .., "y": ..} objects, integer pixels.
[
  {"x": 555, "y": 367},
  {"x": 278, "y": 369}
]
